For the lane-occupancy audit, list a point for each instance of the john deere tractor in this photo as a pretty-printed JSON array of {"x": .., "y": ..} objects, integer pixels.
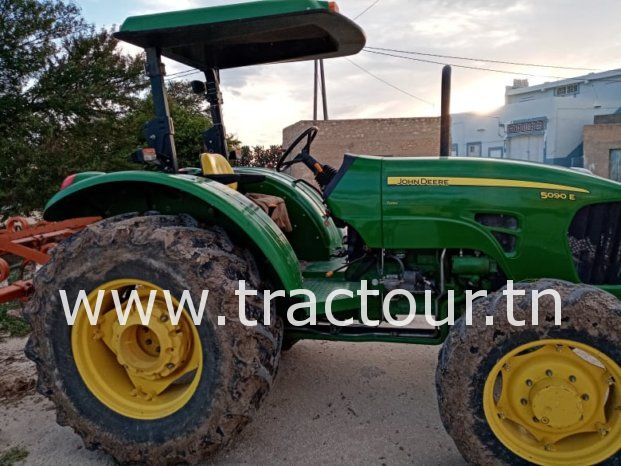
[{"x": 170, "y": 392}]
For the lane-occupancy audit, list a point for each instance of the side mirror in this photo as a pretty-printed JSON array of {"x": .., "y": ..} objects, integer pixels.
[{"x": 198, "y": 87}]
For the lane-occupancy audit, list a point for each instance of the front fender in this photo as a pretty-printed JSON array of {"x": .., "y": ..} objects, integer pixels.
[{"x": 111, "y": 194}]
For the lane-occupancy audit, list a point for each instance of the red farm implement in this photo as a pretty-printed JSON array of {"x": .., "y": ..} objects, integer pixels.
[{"x": 23, "y": 243}]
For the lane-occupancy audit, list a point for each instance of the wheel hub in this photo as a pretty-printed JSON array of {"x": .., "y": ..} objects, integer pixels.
[
  {"x": 556, "y": 403},
  {"x": 150, "y": 351},
  {"x": 140, "y": 371},
  {"x": 553, "y": 402}
]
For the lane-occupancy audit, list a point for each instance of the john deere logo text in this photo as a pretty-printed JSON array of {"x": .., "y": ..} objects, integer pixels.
[{"x": 417, "y": 181}]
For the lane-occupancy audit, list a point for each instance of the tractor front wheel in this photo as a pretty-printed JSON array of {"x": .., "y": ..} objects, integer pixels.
[
  {"x": 543, "y": 394},
  {"x": 167, "y": 392}
]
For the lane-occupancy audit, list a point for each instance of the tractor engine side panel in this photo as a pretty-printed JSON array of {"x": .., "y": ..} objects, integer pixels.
[
  {"x": 517, "y": 213},
  {"x": 355, "y": 197}
]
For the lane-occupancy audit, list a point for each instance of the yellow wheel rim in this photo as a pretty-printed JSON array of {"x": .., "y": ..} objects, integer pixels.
[
  {"x": 139, "y": 371},
  {"x": 556, "y": 402}
]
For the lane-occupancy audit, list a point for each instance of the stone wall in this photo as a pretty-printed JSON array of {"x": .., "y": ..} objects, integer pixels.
[
  {"x": 599, "y": 140},
  {"x": 392, "y": 137}
]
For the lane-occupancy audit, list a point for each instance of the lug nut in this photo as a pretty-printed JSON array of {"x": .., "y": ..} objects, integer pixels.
[
  {"x": 524, "y": 401},
  {"x": 170, "y": 365},
  {"x": 529, "y": 383},
  {"x": 549, "y": 373},
  {"x": 585, "y": 397},
  {"x": 602, "y": 429},
  {"x": 572, "y": 378}
]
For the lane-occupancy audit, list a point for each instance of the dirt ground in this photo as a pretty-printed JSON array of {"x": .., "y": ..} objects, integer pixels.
[{"x": 332, "y": 403}]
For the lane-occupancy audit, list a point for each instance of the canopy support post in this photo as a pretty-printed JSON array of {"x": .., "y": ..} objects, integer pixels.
[
  {"x": 160, "y": 132},
  {"x": 214, "y": 138}
]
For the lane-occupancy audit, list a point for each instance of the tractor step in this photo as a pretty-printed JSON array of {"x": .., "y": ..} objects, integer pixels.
[
  {"x": 322, "y": 289},
  {"x": 322, "y": 269}
]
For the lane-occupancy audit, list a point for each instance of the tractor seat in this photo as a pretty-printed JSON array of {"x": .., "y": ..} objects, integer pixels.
[{"x": 216, "y": 164}]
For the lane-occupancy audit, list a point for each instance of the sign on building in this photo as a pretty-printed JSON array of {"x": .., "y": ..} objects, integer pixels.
[{"x": 527, "y": 127}]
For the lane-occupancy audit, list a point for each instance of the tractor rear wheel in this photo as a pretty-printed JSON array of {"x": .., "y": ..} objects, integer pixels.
[
  {"x": 167, "y": 392},
  {"x": 543, "y": 394}
]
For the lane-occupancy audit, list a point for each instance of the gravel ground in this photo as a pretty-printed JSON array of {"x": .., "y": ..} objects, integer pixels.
[{"x": 333, "y": 403}]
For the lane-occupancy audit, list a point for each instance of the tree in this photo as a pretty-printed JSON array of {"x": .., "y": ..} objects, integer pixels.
[
  {"x": 65, "y": 93},
  {"x": 259, "y": 156},
  {"x": 71, "y": 101}
]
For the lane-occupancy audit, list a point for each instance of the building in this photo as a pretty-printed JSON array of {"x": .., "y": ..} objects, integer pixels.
[
  {"x": 602, "y": 146},
  {"x": 386, "y": 136},
  {"x": 542, "y": 123}
]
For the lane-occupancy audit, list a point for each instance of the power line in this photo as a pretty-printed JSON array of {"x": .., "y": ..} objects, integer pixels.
[
  {"x": 465, "y": 66},
  {"x": 484, "y": 60},
  {"x": 182, "y": 74},
  {"x": 367, "y": 9},
  {"x": 388, "y": 83}
]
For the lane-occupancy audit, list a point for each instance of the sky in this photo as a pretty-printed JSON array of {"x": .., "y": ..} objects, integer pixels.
[{"x": 260, "y": 101}]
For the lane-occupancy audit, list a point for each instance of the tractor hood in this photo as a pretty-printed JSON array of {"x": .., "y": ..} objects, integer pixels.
[
  {"x": 518, "y": 213},
  {"x": 247, "y": 34}
]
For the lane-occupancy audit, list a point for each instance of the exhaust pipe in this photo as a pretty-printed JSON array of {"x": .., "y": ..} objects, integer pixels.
[{"x": 445, "y": 117}]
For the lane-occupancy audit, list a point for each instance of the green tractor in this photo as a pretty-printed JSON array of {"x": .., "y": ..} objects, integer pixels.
[{"x": 171, "y": 392}]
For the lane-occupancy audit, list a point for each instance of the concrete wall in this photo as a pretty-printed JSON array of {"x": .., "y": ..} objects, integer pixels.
[
  {"x": 599, "y": 140},
  {"x": 392, "y": 137}
]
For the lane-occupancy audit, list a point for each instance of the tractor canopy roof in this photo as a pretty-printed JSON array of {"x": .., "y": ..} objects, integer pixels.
[{"x": 246, "y": 34}]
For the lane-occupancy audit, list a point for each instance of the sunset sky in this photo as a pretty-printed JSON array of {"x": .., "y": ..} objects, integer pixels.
[{"x": 261, "y": 100}]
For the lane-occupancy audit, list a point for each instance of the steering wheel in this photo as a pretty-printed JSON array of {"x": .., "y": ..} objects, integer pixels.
[{"x": 310, "y": 134}]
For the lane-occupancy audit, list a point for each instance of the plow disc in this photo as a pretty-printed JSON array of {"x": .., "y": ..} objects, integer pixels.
[{"x": 23, "y": 243}]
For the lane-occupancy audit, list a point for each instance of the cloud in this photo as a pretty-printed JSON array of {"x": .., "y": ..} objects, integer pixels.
[{"x": 261, "y": 100}]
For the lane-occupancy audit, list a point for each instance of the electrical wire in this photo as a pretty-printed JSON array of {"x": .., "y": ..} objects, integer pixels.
[
  {"x": 182, "y": 74},
  {"x": 519, "y": 73},
  {"x": 367, "y": 9},
  {"x": 486, "y": 60},
  {"x": 388, "y": 83}
]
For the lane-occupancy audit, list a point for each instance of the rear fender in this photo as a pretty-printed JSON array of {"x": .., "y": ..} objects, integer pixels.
[{"x": 111, "y": 194}]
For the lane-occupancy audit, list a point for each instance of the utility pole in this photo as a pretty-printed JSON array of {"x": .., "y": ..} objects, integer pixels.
[
  {"x": 315, "y": 92},
  {"x": 320, "y": 75}
]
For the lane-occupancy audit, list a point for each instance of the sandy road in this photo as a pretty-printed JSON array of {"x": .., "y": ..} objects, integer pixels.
[{"x": 333, "y": 403}]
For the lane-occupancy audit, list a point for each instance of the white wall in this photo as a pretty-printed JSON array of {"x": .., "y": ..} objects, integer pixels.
[{"x": 599, "y": 94}]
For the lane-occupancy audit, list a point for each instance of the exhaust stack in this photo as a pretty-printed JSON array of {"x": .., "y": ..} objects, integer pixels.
[{"x": 445, "y": 117}]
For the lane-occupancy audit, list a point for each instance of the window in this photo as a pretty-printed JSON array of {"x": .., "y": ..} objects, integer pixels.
[
  {"x": 454, "y": 150},
  {"x": 495, "y": 152},
  {"x": 615, "y": 164},
  {"x": 473, "y": 149},
  {"x": 569, "y": 89}
]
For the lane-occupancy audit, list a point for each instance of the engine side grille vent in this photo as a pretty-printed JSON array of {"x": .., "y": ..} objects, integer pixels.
[
  {"x": 497, "y": 220},
  {"x": 595, "y": 242},
  {"x": 506, "y": 240}
]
